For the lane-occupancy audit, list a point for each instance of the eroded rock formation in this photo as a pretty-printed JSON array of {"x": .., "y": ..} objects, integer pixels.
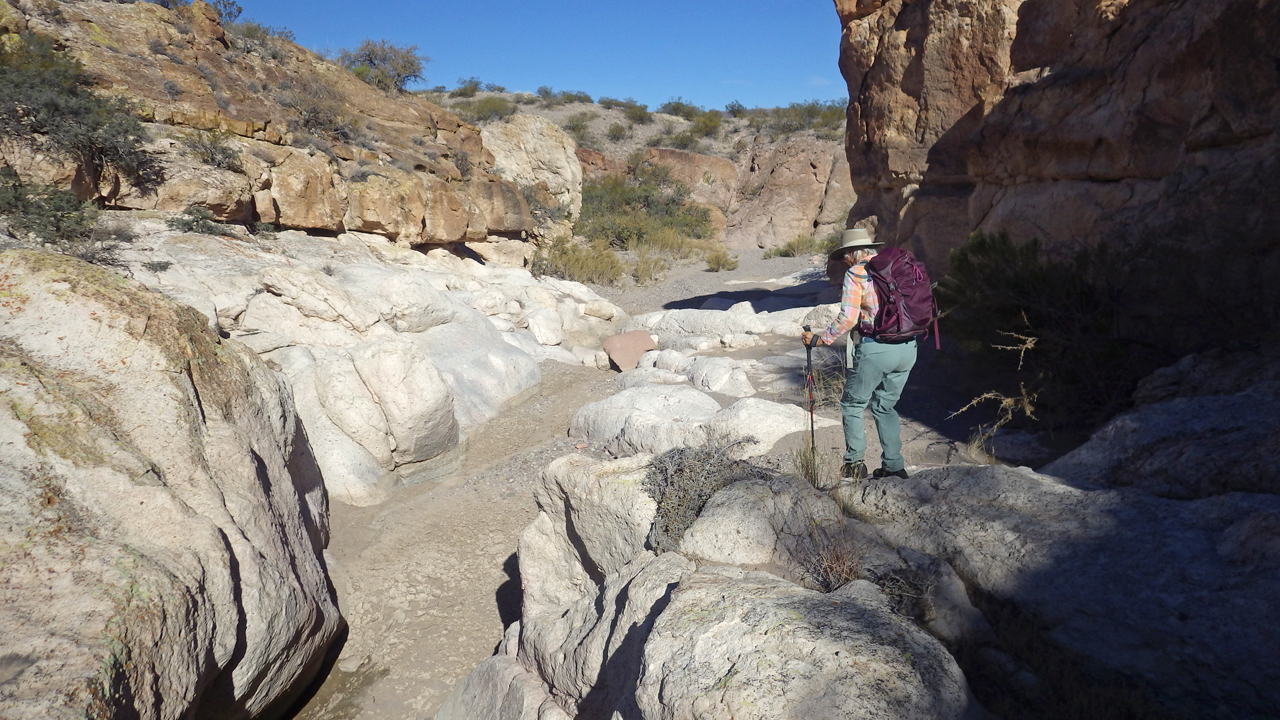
[
  {"x": 1148, "y": 125},
  {"x": 162, "y": 516},
  {"x": 316, "y": 148}
]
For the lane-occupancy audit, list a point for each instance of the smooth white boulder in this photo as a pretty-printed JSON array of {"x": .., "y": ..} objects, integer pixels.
[
  {"x": 662, "y": 415},
  {"x": 546, "y": 326},
  {"x": 721, "y": 375}
]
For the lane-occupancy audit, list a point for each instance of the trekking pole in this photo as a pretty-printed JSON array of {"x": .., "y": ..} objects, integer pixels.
[{"x": 808, "y": 384}]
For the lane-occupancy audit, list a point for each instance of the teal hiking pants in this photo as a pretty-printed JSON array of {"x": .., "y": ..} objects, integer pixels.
[{"x": 877, "y": 374}]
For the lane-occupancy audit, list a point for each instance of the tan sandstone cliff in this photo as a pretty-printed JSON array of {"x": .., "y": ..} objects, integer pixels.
[
  {"x": 1149, "y": 125},
  {"x": 319, "y": 149}
]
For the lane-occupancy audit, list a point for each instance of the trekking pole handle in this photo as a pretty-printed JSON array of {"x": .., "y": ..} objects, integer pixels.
[{"x": 813, "y": 340}]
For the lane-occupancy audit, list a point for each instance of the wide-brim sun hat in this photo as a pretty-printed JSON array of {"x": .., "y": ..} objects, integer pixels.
[{"x": 855, "y": 239}]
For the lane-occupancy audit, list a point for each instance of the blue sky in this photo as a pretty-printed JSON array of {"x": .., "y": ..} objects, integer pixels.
[{"x": 760, "y": 53}]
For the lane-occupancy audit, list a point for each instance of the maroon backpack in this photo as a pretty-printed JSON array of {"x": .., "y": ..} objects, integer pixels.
[{"x": 907, "y": 307}]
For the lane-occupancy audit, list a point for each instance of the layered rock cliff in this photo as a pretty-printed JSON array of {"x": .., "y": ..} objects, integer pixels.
[
  {"x": 314, "y": 148},
  {"x": 1149, "y": 125}
]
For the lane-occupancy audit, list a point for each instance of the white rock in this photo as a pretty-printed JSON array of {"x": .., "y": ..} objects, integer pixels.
[
  {"x": 674, "y": 360},
  {"x": 646, "y": 419},
  {"x": 720, "y": 374},
  {"x": 531, "y": 150},
  {"x": 545, "y": 326},
  {"x": 766, "y": 421},
  {"x": 642, "y": 376},
  {"x": 482, "y": 370},
  {"x": 603, "y": 309},
  {"x": 161, "y": 516},
  {"x": 415, "y": 399}
]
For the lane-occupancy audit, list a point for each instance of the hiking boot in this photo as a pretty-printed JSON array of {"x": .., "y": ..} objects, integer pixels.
[
  {"x": 854, "y": 471},
  {"x": 881, "y": 472}
]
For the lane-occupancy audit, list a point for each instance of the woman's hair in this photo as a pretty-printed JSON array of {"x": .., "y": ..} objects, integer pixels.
[{"x": 860, "y": 255}]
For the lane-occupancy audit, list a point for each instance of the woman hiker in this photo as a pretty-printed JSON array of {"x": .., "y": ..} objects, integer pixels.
[{"x": 876, "y": 372}]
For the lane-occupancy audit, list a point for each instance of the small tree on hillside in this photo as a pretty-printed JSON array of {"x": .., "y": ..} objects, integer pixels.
[{"x": 384, "y": 65}]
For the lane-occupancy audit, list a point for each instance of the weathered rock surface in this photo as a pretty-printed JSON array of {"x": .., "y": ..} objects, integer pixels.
[
  {"x": 1176, "y": 594},
  {"x": 394, "y": 356},
  {"x": 318, "y": 149},
  {"x": 163, "y": 519},
  {"x": 532, "y": 151},
  {"x": 610, "y": 629},
  {"x": 711, "y": 180},
  {"x": 1147, "y": 125},
  {"x": 795, "y": 188},
  {"x": 1236, "y": 443}
]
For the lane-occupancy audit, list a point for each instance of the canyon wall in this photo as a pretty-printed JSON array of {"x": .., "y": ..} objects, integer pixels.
[{"x": 1148, "y": 125}]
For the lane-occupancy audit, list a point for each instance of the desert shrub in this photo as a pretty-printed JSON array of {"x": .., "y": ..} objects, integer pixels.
[
  {"x": 805, "y": 245},
  {"x": 825, "y": 116},
  {"x": 156, "y": 47},
  {"x": 645, "y": 210},
  {"x": 228, "y": 10},
  {"x": 319, "y": 110},
  {"x": 1044, "y": 324},
  {"x": 735, "y": 109},
  {"x": 684, "y": 140},
  {"x": 45, "y": 215},
  {"x": 706, "y": 124},
  {"x": 811, "y": 465},
  {"x": 638, "y": 114},
  {"x": 562, "y": 258},
  {"x": 680, "y": 108},
  {"x": 462, "y": 161},
  {"x": 46, "y": 104},
  {"x": 485, "y": 109},
  {"x": 172, "y": 89},
  {"x": 682, "y": 480},
  {"x": 829, "y": 557},
  {"x": 195, "y": 219},
  {"x": 579, "y": 126},
  {"x": 467, "y": 88},
  {"x": 256, "y": 34},
  {"x": 618, "y": 131},
  {"x": 213, "y": 148},
  {"x": 552, "y": 98},
  {"x": 649, "y": 267},
  {"x": 383, "y": 65},
  {"x": 157, "y": 266},
  {"x": 720, "y": 259},
  {"x": 494, "y": 88},
  {"x": 525, "y": 98}
]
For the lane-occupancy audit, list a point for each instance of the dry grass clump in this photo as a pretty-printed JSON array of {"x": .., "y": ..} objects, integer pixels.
[
  {"x": 816, "y": 468},
  {"x": 563, "y": 258},
  {"x": 720, "y": 259},
  {"x": 805, "y": 245},
  {"x": 683, "y": 479},
  {"x": 829, "y": 558}
]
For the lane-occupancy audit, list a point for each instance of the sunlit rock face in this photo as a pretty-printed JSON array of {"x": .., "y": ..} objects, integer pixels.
[
  {"x": 314, "y": 147},
  {"x": 162, "y": 518},
  {"x": 1147, "y": 125}
]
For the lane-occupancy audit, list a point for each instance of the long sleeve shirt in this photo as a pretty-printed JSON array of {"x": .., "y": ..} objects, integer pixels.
[{"x": 858, "y": 304}]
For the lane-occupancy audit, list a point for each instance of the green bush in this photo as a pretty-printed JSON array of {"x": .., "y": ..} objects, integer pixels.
[
  {"x": 1043, "y": 325},
  {"x": 827, "y": 117},
  {"x": 706, "y": 124},
  {"x": 618, "y": 131},
  {"x": 551, "y": 98},
  {"x": 485, "y": 109},
  {"x": 648, "y": 268},
  {"x": 467, "y": 88},
  {"x": 54, "y": 219},
  {"x": 493, "y": 88},
  {"x": 565, "y": 259},
  {"x": 212, "y": 148},
  {"x": 638, "y": 114},
  {"x": 579, "y": 126},
  {"x": 383, "y": 65},
  {"x": 643, "y": 208},
  {"x": 681, "y": 108},
  {"x": 46, "y": 104},
  {"x": 196, "y": 219},
  {"x": 685, "y": 140}
]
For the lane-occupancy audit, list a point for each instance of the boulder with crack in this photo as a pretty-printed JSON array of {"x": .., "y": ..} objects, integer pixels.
[
  {"x": 612, "y": 630},
  {"x": 163, "y": 517},
  {"x": 1178, "y": 596}
]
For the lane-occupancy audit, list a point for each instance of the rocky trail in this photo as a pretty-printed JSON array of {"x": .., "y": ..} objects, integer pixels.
[{"x": 428, "y": 580}]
